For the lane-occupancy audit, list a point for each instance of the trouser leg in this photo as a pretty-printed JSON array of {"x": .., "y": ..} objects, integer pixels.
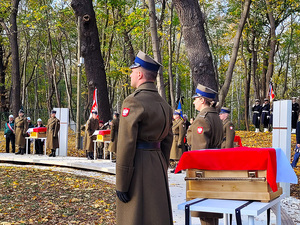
[
  {"x": 13, "y": 143},
  {"x": 295, "y": 160},
  {"x": 7, "y": 143}
]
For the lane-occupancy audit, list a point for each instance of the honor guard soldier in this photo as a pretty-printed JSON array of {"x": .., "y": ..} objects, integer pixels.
[
  {"x": 144, "y": 144},
  {"x": 91, "y": 125},
  {"x": 179, "y": 132},
  {"x": 9, "y": 133},
  {"x": 256, "y": 109},
  {"x": 38, "y": 142},
  {"x": 114, "y": 131},
  {"x": 295, "y": 111},
  {"x": 21, "y": 128},
  {"x": 53, "y": 127},
  {"x": 206, "y": 132},
  {"x": 265, "y": 114},
  {"x": 228, "y": 128}
]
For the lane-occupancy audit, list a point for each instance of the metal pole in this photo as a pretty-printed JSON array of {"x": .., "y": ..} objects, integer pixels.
[{"x": 78, "y": 90}]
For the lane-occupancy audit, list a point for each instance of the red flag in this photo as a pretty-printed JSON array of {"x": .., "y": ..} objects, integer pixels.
[
  {"x": 271, "y": 93},
  {"x": 95, "y": 104}
]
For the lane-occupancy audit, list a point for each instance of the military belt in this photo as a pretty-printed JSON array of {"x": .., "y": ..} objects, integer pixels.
[
  {"x": 147, "y": 145},
  {"x": 265, "y": 111},
  {"x": 19, "y": 126},
  {"x": 256, "y": 112}
]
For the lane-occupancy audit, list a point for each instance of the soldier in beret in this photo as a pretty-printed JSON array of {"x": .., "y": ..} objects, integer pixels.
[
  {"x": 265, "y": 114},
  {"x": 91, "y": 125},
  {"x": 143, "y": 151},
  {"x": 228, "y": 128},
  {"x": 206, "y": 132},
  {"x": 179, "y": 131},
  {"x": 53, "y": 127},
  {"x": 21, "y": 128}
]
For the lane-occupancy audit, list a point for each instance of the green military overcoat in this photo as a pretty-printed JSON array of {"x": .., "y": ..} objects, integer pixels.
[
  {"x": 90, "y": 127},
  {"x": 206, "y": 132},
  {"x": 179, "y": 131},
  {"x": 21, "y": 127},
  {"x": 114, "y": 135},
  {"x": 53, "y": 127},
  {"x": 145, "y": 117},
  {"x": 229, "y": 133}
]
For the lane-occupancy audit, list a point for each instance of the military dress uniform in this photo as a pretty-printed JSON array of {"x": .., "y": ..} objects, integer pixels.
[
  {"x": 179, "y": 132},
  {"x": 265, "y": 115},
  {"x": 229, "y": 133},
  {"x": 256, "y": 109},
  {"x": 206, "y": 132},
  {"x": 53, "y": 127},
  {"x": 21, "y": 127},
  {"x": 114, "y": 131},
  {"x": 144, "y": 143},
  {"x": 91, "y": 125},
  {"x": 295, "y": 110}
]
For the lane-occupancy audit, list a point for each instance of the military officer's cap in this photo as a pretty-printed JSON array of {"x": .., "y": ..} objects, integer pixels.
[
  {"x": 294, "y": 97},
  {"x": 39, "y": 120},
  {"x": 11, "y": 116},
  {"x": 94, "y": 112},
  {"x": 206, "y": 92},
  {"x": 53, "y": 111},
  {"x": 176, "y": 112},
  {"x": 21, "y": 111},
  {"x": 266, "y": 99},
  {"x": 145, "y": 61},
  {"x": 257, "y": 100},
  {"x": 225, "y": 110},
  {"x": 28, "y": 118}
]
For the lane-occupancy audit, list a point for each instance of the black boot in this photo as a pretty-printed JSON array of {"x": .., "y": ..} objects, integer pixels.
[
  {"x": 19, "y": 152},
  {"x": 53, "y": 152},
  {"x": 22, "y": 151},
  {"x": 90, "y": 156}
]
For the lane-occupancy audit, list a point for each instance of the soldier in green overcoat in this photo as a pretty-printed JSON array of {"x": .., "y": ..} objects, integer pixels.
[
  {"x": 91, "y": 125},
  {"x": 53, "y": 127},
  {"x": 144, "y": 143},
  {"x": 228, "y": 128},
  {"x": 206, "y": 132},
  {"x": 21, "y": 128},
  {"x": 114, "y": 133}
]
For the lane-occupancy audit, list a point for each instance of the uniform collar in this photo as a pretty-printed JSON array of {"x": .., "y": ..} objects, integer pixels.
[
  {"x": 147, "y": 86},
  {"x": 207, "y": 109}
]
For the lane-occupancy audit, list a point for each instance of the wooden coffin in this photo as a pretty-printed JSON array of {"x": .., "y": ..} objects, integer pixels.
[
  {"x": 229, "y": 184},
  {"x": 104, "y": 135}
]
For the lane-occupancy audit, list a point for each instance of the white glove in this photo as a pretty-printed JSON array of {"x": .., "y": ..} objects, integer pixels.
[
  {"x": 258, "y": 118},
  {"x": 4, "y": 136},
  {"x": 253, "y": 105}
]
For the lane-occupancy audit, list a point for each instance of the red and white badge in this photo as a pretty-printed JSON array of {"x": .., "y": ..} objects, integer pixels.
[
  {"x": 125, "y": 112},
  {"x": 200, "y": 130},
  {"x": 231, "y": 127}
]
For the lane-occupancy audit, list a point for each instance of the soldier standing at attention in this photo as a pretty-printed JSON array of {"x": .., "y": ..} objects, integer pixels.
[
  {"x": 265, "y": 114},
  {"x": 256, "y": 109},
  {"x": 179, "y": 131},
  {"x": 114, "y": 134},
  {"x": 295, "y": 110},
  {"x": 9, "y": 133},
  {"x": 21, "y": 128},
  {"x": 228, "y": 128},
  {"x": 206, "y": 132},
  {"x": 91, "y": 125},
  {"x": 144, "y": 143},
  {"x": 53, "y": 127}
]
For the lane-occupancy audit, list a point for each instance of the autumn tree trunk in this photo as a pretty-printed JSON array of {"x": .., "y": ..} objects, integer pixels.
[
  {"x": 170, "y": 68},
  {"x": 236, "y": 42},
  {"x": 272, "y": 47},
  {"x": 199, "y": 54},
  {"x": 90, "y": 50},
  {"x": 156, "y": 49},
  {"x": 15, "y": 63}
]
